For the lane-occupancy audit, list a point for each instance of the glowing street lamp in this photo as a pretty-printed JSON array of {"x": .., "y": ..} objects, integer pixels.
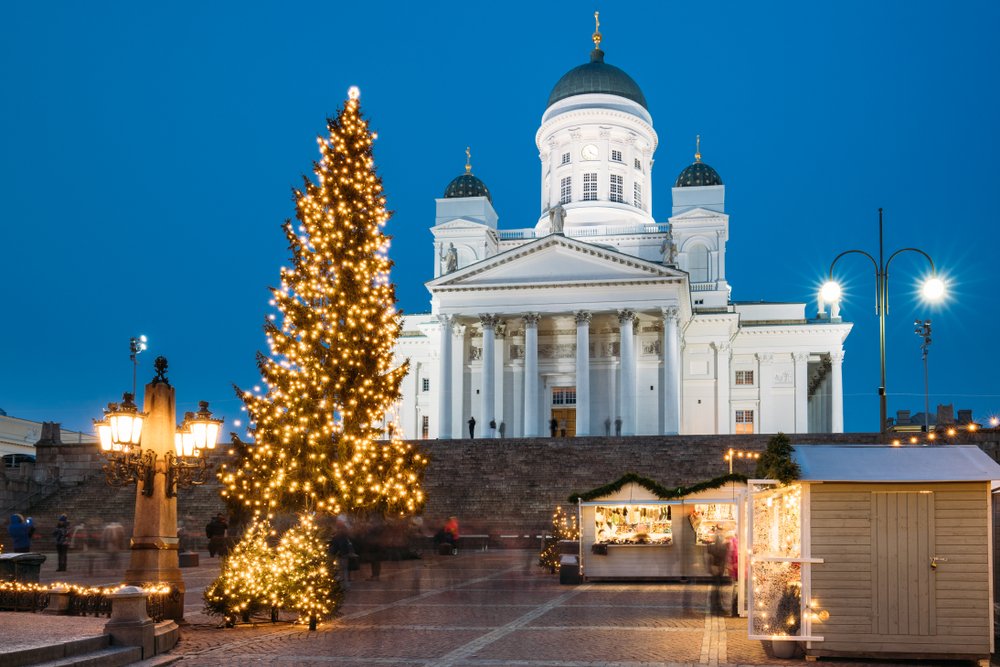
[
  {"x": 933, "y": 290},
  {"x": 139, "y": 446}
]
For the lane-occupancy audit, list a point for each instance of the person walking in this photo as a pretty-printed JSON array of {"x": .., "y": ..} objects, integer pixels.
[
  {"x": 113, "y": 542},
  {"x": 20, "y": 531},
  {"x": 215, "y": 531},
  {"x": 493, "y": 428},
  {"x": 342, "y": 549},
  {"x": 472, "y": 428},
  {"x": 618, "y": 426},
  {"x": 553, "y": 425},
  {"x": 61, "y": 536}
]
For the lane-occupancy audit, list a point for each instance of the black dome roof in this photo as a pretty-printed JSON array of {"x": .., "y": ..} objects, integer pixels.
[
  {"x": 467, "y": 185},
  {"x": 597, "y": 77},
  {"x": 696, "y": 175}
]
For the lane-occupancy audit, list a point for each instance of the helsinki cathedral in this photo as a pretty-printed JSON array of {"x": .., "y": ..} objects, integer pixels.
[{"x": 596, "y": 319}]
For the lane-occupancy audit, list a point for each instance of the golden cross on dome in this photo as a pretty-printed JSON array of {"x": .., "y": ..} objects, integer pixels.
[
  {"x": 597, "y": 30},
  {"x": 697, "y": 148},
  {"x": 468, "y": 160}
]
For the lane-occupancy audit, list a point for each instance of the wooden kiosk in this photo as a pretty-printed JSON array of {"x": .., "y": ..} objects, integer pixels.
[
  {"x": 635, "y": 529},
  {"x": 876, "y": 551}
]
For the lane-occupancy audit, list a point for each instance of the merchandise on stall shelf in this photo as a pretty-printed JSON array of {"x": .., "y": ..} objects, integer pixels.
[
  {"x": 707, "y": 519},
  {"x": 633, "y": 524}
]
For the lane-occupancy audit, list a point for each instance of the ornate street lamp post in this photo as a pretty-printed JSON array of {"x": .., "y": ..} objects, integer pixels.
[
  {"x": 933, "y": 290},
  {"x": 149, "y": 449}
]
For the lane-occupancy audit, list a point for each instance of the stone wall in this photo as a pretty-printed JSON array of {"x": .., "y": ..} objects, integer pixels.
[{"x": 498, "y": 487}]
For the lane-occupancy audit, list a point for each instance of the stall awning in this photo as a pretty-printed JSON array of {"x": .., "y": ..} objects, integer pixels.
[{"x": 867, "y": 463}]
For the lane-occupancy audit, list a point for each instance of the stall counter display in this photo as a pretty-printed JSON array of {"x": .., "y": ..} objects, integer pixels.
[
  {"x": 633, "y": 524},
  {"x": 707, "y": 519}
]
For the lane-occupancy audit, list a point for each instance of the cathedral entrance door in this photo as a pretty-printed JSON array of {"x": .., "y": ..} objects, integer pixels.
[{"x": 566, "y": 421}]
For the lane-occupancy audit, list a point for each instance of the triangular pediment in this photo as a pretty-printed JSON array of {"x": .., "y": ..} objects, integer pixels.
[
  {"x": 557, "y": 260},
  {"x": 698, "y": 215},
  {"x": 458, "y": 224}
]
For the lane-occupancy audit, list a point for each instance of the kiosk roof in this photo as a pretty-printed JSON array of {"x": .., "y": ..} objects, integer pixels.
[{"x": 868, "y": 463}]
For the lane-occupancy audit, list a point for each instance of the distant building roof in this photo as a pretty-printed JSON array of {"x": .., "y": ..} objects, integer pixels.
[{"x": 868, "y": 463}]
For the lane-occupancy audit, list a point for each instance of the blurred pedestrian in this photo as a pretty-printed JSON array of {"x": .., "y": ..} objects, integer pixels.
[
  {"x": 215, "y": 531},
  {"x": 83, "y": 541},
  {"x": 370, "y": 549},
  {"x": 113, "y": 542},
  {"x": 472, "y": 428},
  {"x": 20, "y": 531},
  {"x": 718, "y": 560},
  {"x": 342, "y": 549},
  {"x": 448, "y": 534},
  {"x": 61, "y": 536},
  {"x": 553, "y": 425}
]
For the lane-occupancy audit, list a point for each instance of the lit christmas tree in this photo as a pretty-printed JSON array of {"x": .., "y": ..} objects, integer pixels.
[
  {"x": 563, "y": 528},
  {"x": 306, "y": 573},
  {"x": 247, "y": 584},
  {"x": 313, "y": 432}
]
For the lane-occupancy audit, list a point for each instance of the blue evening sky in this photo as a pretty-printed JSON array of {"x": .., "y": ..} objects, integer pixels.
[{"x": 149, "y": 150}]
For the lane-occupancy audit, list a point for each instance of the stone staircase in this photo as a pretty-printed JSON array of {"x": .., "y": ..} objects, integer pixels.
[
  {"x": 85, "y": 652},
  {"x": 93, "y": 501}
]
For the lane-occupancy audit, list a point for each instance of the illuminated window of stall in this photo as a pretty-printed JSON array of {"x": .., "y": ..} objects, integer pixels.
[{"x": 633, "y": 524}]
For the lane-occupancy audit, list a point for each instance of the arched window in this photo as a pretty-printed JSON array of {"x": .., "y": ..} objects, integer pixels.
[{"x": 698, "y": 263}]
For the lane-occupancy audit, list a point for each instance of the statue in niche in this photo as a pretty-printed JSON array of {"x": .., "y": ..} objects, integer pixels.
[
  {"x": 449, "y": 258},
  {"x": 557, "y": 218},
  {"x": 669, "y": 249}
]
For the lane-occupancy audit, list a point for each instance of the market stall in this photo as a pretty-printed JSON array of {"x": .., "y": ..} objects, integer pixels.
[
  {"x": 876, "y": 551},
  {"x": 636, "y": 529}
]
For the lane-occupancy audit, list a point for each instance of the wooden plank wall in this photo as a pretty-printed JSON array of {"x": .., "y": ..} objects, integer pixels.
[{"x": 876, "y": 581}]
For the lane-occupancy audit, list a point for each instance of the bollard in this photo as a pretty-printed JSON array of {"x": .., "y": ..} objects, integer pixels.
[{"x": 130, "y": 625}]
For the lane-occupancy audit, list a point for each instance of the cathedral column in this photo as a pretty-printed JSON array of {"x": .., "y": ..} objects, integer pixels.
[
  {"x": 444, "y": 382},
  {"x": 487, "y": 406},
  {"x": 801, "y": 392},
  {"x": 583, "y": 372},
  {"x": 723, "y": 418},
  {"x": 626, "y": 321},
  {"x": 531, "y": 375},
  {"x": 500, "y": 358},
  {"x": 765, "y": 377},
  {"x": 457, "y": 426},
  {"x": 671, "y": 371},
  {"x": 837, "y": 391}
]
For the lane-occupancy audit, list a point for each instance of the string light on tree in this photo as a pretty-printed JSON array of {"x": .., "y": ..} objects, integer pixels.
[{"x": 314, "y": 435}]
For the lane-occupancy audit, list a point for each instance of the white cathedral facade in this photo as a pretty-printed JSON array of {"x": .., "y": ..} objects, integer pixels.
[{"x": 597, "y": 319}]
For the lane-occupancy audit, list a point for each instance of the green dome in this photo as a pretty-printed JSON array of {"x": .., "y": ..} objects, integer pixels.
[
  {"x": 467, "y": 185},
  {"x": 696, "y": 175},
  {"x": 597, "y": 77}
]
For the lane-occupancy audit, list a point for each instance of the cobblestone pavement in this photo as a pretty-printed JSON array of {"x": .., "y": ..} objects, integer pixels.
[{"x": 487, "y": 609}]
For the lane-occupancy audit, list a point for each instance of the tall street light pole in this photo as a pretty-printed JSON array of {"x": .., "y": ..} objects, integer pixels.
[
  {"x": 924, "y": 330},
  {"x": 933, "y": 290}
]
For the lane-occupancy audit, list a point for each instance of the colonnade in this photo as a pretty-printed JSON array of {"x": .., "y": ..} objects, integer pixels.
[{"x": 490, "y": 409}]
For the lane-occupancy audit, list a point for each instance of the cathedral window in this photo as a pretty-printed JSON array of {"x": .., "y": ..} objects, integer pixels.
[
  {"x": 637, "y": 195},
  {"x": 616, "y": 156},
  {"x": 565, "y": 158},
  {"x": 617, "y": 192},
  {"x": 697, "y": 264},
  {"x": 744, "y": 377},
  {"x": 744, "y": 421},
  {"x": 426, "y": 384},
  {"x": 566, "y": 190},
  {"x": 590, "y": 186},
  {"x": 425, "y": 427},
  {"x": 564, "y": 396},
  {"x": 638, "y": 164}
]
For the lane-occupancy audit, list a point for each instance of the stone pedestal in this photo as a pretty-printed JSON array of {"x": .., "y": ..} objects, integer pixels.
[{"x": 130, "y": 625}]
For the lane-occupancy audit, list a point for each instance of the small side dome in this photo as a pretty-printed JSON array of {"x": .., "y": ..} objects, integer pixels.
[
  {"x": 467, "y": 185},
  {"x": 697, "y": 174}
]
